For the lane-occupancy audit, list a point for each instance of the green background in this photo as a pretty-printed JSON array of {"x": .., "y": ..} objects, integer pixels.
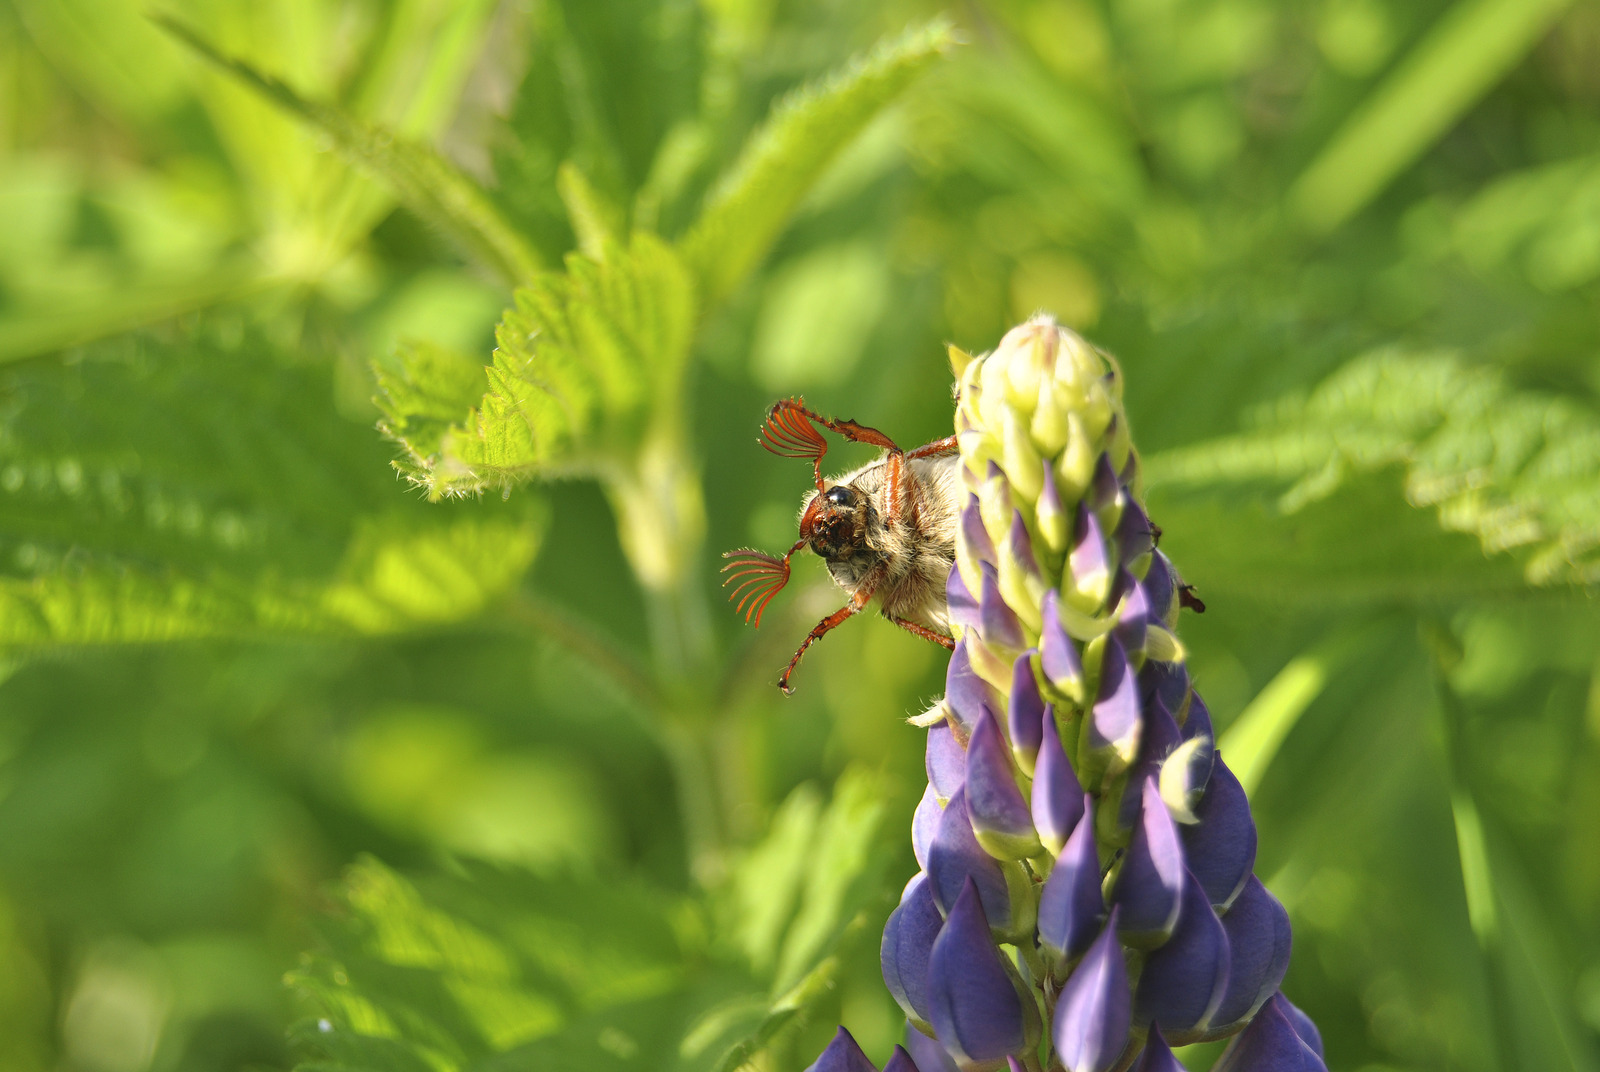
[{"x": 297, "y": 765}]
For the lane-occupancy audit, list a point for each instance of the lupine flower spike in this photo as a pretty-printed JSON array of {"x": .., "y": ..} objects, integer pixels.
[{"x": 1087, "y": 897}]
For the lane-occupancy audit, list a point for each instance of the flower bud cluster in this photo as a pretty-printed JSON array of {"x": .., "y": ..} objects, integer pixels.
[{"x": 1086, "y": 897}]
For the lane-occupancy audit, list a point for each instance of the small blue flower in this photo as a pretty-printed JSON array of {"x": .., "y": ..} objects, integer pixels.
[
  {"x": 1094, "y": 1010},
  {"x": 1269, "y": 1044},
  {"x": 1259, "y": 944},
  {"x": 965, "y": 692},
  {"x": 1156, "y": 1055},
  {"x": 945, "y": 761},
  {"x": 843, "y": 1055},
  {"x": 1149, "y": 889},
  {"x": 1025, "y": 712},
  {"x": 928, "y": 1053},
  {"x": 1221, "y": 847},
  {"x": 1301, "y": 1023},
  {"x": 1000, "y": 817},
  {"x": 1058, "y": 799},
  {"x": 900, "y": 1061},
  {"x": 1071, "y": 906},
  {"x": 907, "y": 943},
  {"x": 1058, "y": 655},
  {"x": 1183, "y": 981},
  {"x": 955, "y": 857},
  {"x": 1116, "y": 721},
  {"x": 924, "y": 824},
  {"x": 975, "y": 1006}
]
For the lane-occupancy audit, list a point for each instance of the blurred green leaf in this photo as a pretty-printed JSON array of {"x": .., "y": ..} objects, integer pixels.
[
  {"x": 584, "y": 360},
  {"x": 750, "y": 205},
  {"x": 1518, "y": 470},
  {"x": 1461, "y": 58},
  {"x": 248, "y": 507},
  {"x": 843, "y": 872},
  {"x": 430, "y": 185},
  {"x": 1546, "y": 218},
  {"x": 494, "y": 969}
]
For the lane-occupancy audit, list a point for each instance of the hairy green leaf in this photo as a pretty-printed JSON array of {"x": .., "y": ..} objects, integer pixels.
[
  {"x": 159, "y": 488},
  {"x": 781, "y": 162},
  {"x": 1518, "y": 470},
  {"x": 430, "y": 185},
  {"x": 585, "y": 358}
]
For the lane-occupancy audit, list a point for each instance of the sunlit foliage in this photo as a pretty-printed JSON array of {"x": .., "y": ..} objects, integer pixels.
[{"x": 379, "y": 381}]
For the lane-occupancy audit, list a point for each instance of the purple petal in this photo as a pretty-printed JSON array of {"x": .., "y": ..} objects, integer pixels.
[
  {"x": 1019, "y": 546},
  {"x": 907, "y": 942},
  {"x": 998, "y": 623},
  {"x": 1095, "y": 1010},
  {"x": 1052, "y": 519},
  {"x": 1269, "y": 1044},
  {"x": 1091, "y": 570},
  {"x": 945, "y": 760},
  {"x": 1071, "y": 907},
  {"x": 1000, "y": 817},
  {"x": 974, "y": 534},
  {"x": 1115, "y": 723},
  {"x": 1058, "y": 655},
  {"x": 976, "y": 1010},
  {"x": 1156, "y": 1057},
  {"x": 843, "y": 1055},
  {"x": 1150, "y": 886},
  {"x": 900, "y": 1061},
  {"x": 1167, "y": 682},
  {"x": 1133, "y": 618},
  {"x": 1259, "y": 940},
  {"x": 1103, "y": 485},
  {"x": 930, "y": 1054},
  {"x": 955, "y": 856},
  {"x": 1198, "y": 724},
  {"x": 962, "y": 603},
  {"x": 1222, "y": 846},
  {"x": 1158, "y": 737},
  {"x": 1135, "y": 537},
  {"x": 1161, "y": 589},
  {"x": 965, "y": 692},
  {"x": 1182, "y": 777},
  {"x": 1183, "y": 981},
  {"x": 1057, "y": 795},
  {"x": 1130, "y": 470},
  {"x": 1302, "y": 1024},
  {"x": 1025, "y": 712},
  {"x": 924, "y": 824}
]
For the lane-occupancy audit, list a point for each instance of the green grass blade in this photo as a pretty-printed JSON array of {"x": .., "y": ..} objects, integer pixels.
[{"x": 1459, "y": 60}]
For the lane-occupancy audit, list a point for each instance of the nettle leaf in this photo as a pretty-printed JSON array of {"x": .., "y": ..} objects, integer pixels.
[
  {"x": 492, "y": 968},
  {"x": 428, "y": 184},
  {"x": 585, "y": 359},
  {"x": 497, "y": 969},
  {"x": 1519, "y": 471},
  {"x": 782, "y": 160},
  {"x": 199, "y": 485}
]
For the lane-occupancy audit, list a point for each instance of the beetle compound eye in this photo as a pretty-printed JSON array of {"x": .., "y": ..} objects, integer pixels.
[{"x": 839, "y": 495}]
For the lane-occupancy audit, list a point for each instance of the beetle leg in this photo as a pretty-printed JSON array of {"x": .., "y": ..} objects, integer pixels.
[
  {"x": 938, "y": 448},
  {"x": 922, "y": 631},
  {"x": 850, "y": 609}
]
